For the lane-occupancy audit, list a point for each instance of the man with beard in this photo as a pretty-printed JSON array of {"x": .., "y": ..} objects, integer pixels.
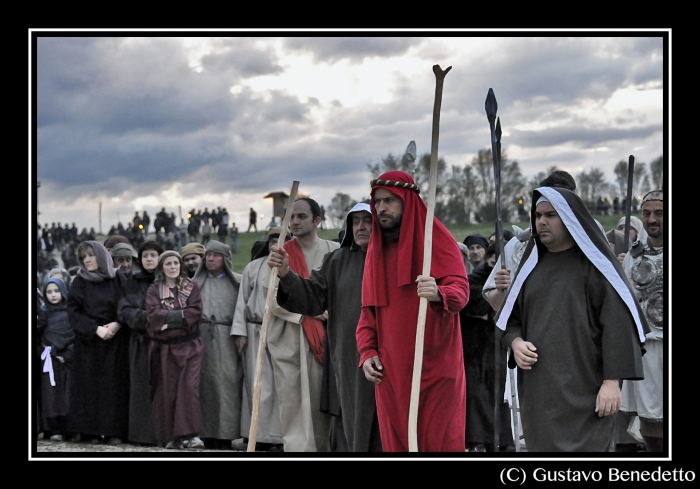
[
  {"x": 574, "y": 327},
  {"x": 644, "y": 265},
  {"x": 220, "y": 384},
  {"x": 337, "y": 287},
  {"x": 297, "y": 342},
  {"x": 192, "y": 255},
  {"x": 392, "y": 288}
]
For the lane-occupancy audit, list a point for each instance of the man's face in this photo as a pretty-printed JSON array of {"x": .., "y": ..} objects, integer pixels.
[
  {"x": 149, "y": 260},
  {"x": 302, "y": 222},
  {"x": 389, "y": 208},
  {"x": 272, "y": 242},
  {"x": 192, "y": 261},
  {"x": 214, "y": 262},
  {"x": 53, "y": 293},
  {"x": 653, "y": 218},
  {"x": 551, "y": 229},
  {"x": 361, "y": 228},
  {"x": 476, "y": 254},
  {"x": 125, "y": 264}
]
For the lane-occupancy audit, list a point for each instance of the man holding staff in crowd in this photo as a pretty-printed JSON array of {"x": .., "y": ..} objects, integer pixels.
[
  {"x": 574, "y": 326},
  {"x": 296, "y": 343},
  {"x": 337, "y": 287},
  {"x": 386, "y": 334}
]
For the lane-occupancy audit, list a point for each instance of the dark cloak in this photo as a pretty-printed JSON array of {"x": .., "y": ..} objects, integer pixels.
[{"x": 578, "y": 309}]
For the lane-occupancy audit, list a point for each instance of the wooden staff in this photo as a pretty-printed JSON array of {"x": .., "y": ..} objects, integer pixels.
[
  {"x": 266, "y": 321},
  {"x": 427, "y": 255}
]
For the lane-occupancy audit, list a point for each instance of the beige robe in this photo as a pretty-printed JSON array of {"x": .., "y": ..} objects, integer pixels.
[
  {"x": 297, "y": 373},
  {"x": 221, "y": 377},
  {"x": 247, "y": 321}
]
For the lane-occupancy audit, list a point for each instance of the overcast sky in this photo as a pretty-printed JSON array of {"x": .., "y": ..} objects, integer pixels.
[{"x": 168, "y": 119}]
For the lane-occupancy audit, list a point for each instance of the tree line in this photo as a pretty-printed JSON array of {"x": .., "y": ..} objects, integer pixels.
[{"x": 467, "y": 194}]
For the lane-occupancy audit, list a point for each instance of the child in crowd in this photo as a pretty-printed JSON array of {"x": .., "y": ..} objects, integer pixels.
[{"x": 56, "y": 351}]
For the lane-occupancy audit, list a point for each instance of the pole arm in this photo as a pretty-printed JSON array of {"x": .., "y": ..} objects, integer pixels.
[
  {"x": 628, "y": 204},
  {"x": 491, "y": 106}
]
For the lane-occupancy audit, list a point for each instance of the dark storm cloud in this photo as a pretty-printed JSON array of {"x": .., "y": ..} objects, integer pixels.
[
  {"x": 242, "y": 60},
  {"x": 579, "y": 136},
  {"x": 355, "y": 49},
  {"x": 132, "y": 114}
]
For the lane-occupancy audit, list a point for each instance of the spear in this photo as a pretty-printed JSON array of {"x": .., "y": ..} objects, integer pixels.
[
  {"x": 266, "y": 321},
  {"x": 491, "y": 106},
  {"x": 628, "y": 204},
  {"x": 427, "y": 255}
]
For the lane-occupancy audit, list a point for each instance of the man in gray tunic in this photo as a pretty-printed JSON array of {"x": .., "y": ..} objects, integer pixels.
[
  {"x": 221, "y": 377},
  {"x": 574, "y": 326}
]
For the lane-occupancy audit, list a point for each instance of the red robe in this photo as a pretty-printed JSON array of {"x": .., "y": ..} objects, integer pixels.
[{"x": 388, "y": 324}]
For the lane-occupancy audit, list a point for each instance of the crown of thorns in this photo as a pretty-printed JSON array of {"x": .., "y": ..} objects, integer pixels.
[{"x": 395, "y": 183}]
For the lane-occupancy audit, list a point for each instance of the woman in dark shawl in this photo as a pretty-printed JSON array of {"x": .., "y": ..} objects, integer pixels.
[
  {"x": 100, "y": 387},
  {"x": 132, "y": 312}
]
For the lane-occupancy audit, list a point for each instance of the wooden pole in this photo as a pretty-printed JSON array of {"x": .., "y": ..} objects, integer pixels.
[
  {"x": 427, "y": 255},
  {"x": 266, "y": 321}
]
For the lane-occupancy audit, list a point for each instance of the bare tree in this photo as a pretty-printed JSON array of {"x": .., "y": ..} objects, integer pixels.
[
  {"x": 657, "y": 172},
  {"x": 340, "y": 205}
]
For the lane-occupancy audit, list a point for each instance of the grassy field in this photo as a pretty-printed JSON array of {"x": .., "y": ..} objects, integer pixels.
[{"x": 459, "y": 231}]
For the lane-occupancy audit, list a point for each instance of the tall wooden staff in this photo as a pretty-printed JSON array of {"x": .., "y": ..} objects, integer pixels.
[
  {"x": 491, "y": 106},
  {"x": 266, "y": 321},
  {"x": 427, "y": 255},
  {"x": 628, "y": 204}
]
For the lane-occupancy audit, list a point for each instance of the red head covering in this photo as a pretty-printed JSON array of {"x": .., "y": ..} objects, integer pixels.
[{"x": 446, "y": 256}]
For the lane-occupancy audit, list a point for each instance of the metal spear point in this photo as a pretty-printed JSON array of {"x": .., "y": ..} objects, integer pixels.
[
  {"x": 628, "y": 206},
  {"x": 495, "y": 124}
]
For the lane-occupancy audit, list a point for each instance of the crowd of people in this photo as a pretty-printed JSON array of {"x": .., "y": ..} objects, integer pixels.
[{"x": 552, "y": 346}]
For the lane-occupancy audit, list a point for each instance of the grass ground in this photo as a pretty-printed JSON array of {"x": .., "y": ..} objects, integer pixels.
[{"x": 459, "y": 231}]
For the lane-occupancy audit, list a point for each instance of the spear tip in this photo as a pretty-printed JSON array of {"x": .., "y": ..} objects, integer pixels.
[{"x": 491, "y": 106}]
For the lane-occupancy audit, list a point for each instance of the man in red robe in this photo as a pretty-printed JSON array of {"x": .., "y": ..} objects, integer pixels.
[{"x": 386, "y": 333}]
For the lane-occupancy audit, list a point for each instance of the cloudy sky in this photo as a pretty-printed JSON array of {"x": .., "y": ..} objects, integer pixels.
[{"x": 144, "y": 120}]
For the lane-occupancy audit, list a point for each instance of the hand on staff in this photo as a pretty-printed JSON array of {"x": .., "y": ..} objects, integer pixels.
[
  {"x": 609, "y": 398},
  {"x": 524, "y": 353},
  {"x": 621, "y": 257},
  {"x": 372, "y": 367},
  {"x": 280, "y": 259},
  {"x": 427, "y": 287},
  {"x": 241, "y": 342},
  {"x": 502, "y": 279}
]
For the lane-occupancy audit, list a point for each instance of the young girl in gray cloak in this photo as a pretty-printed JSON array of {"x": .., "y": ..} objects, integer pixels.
[{"x": 56, "y": 352}]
